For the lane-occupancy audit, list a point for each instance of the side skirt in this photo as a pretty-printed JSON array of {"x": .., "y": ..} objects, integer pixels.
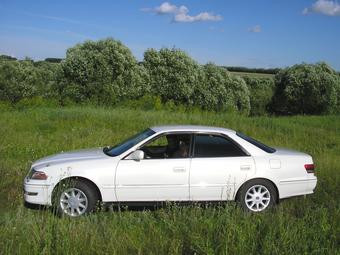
[{"x": 140, "y": 205}]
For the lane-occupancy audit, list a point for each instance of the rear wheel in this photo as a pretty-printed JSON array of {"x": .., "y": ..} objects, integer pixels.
[
  {"x": 75, "y": 198},
  {"x": 257, "y": 195}
]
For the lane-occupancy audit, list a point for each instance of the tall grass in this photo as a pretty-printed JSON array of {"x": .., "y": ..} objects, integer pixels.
[{"x": 299, "y": 225}]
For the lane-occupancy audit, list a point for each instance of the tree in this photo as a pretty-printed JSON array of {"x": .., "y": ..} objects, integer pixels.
[
  {"x": 18, "y": 80},
  {"x": 306, "y": 89},
  {"x": 53, "y": 60},
  {"x": 7, "y": 58},
  {"x": 261, "y": 93},
  {"x": 221, "y": 91},
  {"x": 173, "y": 74},
  {"x": 51, "y": 74},
  {"x": 104, "y": 70}
]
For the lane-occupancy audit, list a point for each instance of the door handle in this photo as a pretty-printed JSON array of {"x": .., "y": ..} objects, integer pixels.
[
  {"x": 245, "y": 168},
  {"x": 178, "y": 169}
]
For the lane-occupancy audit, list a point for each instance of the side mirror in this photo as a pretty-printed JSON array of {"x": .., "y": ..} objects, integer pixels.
[{"x": 136, "y": 155}]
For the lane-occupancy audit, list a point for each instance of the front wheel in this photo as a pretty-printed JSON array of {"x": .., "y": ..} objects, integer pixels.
[
  {"x": 257, "y": 195},
  {"x": 75, "y": 198}
]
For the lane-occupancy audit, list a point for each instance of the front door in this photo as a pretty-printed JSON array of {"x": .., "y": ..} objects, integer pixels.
[{"x": 163, "y": 174}]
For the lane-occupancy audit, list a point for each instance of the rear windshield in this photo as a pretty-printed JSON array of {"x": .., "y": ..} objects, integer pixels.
[{"x": 258, "y": 144}]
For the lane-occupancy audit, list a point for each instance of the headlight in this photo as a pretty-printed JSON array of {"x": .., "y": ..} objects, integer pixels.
[{"x": 37, "y": 175}]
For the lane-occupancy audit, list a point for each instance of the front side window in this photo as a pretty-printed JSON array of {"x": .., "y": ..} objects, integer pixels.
[
  {"x": 128, "y": 143},
  {"x": 211, "y": 146},
  {"x": 168, "y": 146}
]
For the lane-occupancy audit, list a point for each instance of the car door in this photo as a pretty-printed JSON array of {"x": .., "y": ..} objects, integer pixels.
[
  {"x": 218, "y": 166},
  {"x": 163, "y": 175}
]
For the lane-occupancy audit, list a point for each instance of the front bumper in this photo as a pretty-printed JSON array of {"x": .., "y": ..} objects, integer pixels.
[{"x": 35, "y": 193}]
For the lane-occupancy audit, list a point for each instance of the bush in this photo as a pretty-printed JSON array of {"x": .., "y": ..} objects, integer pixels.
[
  {"x": 261, "y": 93},
  {"x": 306, "y": 89},
  {"x": 221, "y": 91},
  {"x": 51, "y": 74},
  {"x": 18, "y": 80},
  {"x": 173, "y": 74},
  {"x": 105, "y": 72},
  {"x": 102, "y": 71}
]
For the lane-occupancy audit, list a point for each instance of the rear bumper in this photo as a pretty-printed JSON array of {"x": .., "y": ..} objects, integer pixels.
[
  {"x": 37, "y": 194},
  {"x": 312, "y": 184},
  {"x": 290, "y": 188}
]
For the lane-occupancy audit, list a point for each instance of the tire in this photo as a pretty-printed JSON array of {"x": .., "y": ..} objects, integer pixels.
[
  {"x": 257, "y": 195},
  {"x": 75, "y": 198}
]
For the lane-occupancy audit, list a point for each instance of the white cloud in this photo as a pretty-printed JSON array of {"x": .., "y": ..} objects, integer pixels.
[
  {"x": 180, "y": 14},
  {"x": 203, "y": 16},
  {"x": 255, "y": 29},
  {"x": 166, "y": 8},
  {"x": 325, "y": 7}
]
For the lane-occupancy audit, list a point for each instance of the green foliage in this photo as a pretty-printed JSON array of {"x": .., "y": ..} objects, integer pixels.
[
  {"x": 51, "y": 74},
  {"x": 173, "y": 74},
  {"x": 25, "y": 79},
  {"x": 306, "y": 89},
  {"x": 261, "y": 93},
  {"x": 221, "y": 91},
  {"x": 53, "y": 60},
  {"x": 297, "y": 226},
  {"x": 103, "y": 71},
  {"x": 7, "y": 58},
  {"x": 106, "y": 73},
  {"x": 18, "y": 80}
]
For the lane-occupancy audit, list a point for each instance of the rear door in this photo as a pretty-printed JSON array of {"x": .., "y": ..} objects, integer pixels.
[{"x": 218, "y": 166}]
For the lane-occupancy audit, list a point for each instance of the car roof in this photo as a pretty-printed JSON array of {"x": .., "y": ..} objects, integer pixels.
[{"x": 193, "y": 128}]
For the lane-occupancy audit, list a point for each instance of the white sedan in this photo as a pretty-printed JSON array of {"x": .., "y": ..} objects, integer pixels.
[{"x": 171, "y": 163}]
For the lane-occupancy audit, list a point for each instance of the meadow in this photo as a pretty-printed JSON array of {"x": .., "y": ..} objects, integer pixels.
[
  {"x": 301, "y": 225},
  {"x": 254, "y": 75}
]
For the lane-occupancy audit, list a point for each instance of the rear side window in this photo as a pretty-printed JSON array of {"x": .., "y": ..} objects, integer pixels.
[
  {"x": 211, "y": 146},
  {"x": 258, "y": 144}
]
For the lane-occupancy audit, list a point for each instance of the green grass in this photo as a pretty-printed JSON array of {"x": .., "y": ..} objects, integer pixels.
[
  {"x": 254, "y": 75},
  {"x": 299, "y": 225}
]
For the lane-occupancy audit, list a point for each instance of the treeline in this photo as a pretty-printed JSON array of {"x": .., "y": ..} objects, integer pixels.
[
  {"x": 106, "y": 73},
  {"x": 252, "y": 70}
]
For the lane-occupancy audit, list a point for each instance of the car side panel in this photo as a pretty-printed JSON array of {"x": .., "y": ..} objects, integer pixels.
[{"x": 287, "y": 173}]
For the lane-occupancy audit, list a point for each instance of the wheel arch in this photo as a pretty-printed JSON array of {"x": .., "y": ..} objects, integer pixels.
[
  {"x": 78, "y": 178},
  {"x": 259, "y": 178}
]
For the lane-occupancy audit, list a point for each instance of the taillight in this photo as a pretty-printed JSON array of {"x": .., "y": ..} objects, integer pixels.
[
  {"x": 310, "y": 168},
  {"x": 39, "y": 175}
]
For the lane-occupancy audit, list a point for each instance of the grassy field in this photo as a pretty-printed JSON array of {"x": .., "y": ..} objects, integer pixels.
[
  {"x": 299, "y": 225},
  {"x": 255, "y": 75}
]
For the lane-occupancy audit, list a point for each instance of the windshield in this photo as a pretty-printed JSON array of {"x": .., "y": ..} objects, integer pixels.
[
  {"x": 128, "y": 143},
  {"x": 258, "y": 144}
]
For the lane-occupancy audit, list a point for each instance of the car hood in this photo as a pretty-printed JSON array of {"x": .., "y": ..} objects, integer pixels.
[{"x": 71, "y": 156}]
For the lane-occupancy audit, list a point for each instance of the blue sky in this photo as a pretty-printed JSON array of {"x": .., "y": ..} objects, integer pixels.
[{"x": 252, "y": 33}]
